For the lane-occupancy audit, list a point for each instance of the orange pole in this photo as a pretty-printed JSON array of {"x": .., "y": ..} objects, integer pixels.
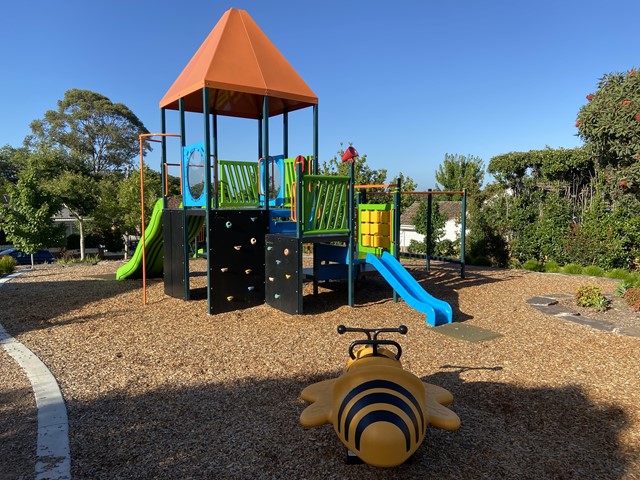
[
  {"x": 435, "y": 192},
  {"x": 144, "y": 257},
  {"x": 384, "y": 185}
]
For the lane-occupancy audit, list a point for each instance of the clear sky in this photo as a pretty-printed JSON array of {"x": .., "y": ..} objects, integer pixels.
[{"x": 405, "y": 81}]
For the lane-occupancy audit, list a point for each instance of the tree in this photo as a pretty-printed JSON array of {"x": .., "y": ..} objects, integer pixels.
[
  {"x": 27, "y": 217},
  {"x": 365, "y": 175},
  {"x": 438, "y": 222},
  {"x": 79, "y": 194},
  {"x": 12, "y": 161},
  {"x": 459, "y": 172},
  {"x": 93, "y": 138},
  {"x": 610, "y": 126},
  {"x": 100, "y": 135}
]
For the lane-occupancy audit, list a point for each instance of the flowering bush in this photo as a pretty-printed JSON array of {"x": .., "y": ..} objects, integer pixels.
[
  {"x": 632, "y": 297},
  {"x": 591, "y": 296}
]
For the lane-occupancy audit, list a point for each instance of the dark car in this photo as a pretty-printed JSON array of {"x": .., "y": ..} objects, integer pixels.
[{"x": 41, "y": 256}]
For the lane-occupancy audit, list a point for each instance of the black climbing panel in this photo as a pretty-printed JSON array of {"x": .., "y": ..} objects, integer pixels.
[
  {"x": 283, "y": 272},
  {"x": 236, "y": 259},
  {"x": 173, "y": 238}
]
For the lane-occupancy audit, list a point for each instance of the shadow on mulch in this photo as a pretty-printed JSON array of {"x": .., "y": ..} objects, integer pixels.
[
  {"x": 62, "y": 297},
  {"x": 441, "y": 282},
  {"x": 250, "y": 429}
]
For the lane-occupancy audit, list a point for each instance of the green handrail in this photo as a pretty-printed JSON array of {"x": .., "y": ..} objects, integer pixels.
[
  {"x": 238, "y": 184},
  {"x": 290, "y": 176}
]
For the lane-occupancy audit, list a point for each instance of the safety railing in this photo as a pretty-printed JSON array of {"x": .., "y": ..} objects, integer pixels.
[
  {"x": 324, "y": 204},
  {"x": 238, "y": 184}
]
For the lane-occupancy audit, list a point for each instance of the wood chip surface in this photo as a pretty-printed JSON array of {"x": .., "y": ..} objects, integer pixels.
[{"x": 167, "y": 391}]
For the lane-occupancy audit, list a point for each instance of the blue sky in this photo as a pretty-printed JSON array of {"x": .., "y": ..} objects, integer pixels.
[{"x": 405, "y": 81}]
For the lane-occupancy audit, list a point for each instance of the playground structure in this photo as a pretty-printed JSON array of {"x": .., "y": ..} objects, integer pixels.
[
  {"x": 379, "y": 411},
  {"x": 258, "y": 215}
]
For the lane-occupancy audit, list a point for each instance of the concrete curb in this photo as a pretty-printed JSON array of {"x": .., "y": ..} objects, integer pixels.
[{"x": 53, "y": 460}]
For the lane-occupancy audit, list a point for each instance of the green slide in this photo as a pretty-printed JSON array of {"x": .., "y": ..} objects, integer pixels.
[{"x": 154, "y": 243}]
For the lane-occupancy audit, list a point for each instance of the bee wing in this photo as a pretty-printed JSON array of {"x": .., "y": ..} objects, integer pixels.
[
  {"x": 439, "y": 394},
  {"x": 320, "y": 396},
  {"x": 317, "y": 391},
  {"x": 439, "y": 415}
]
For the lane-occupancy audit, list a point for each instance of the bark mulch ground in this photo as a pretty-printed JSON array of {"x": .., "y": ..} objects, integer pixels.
[{"x": 167, "y": 391}]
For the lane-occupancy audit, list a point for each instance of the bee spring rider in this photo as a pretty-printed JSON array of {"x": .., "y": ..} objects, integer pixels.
[{"x": 379, "y": 411}]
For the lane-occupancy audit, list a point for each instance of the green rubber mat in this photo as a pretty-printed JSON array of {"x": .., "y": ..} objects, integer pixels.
[{"x": 464, "y": 331}]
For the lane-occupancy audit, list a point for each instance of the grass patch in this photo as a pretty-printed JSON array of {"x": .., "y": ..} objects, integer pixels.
[
  {"x": 593, "y": 271},
  {"x": 91, "y": 260},
  {"x": 533, "y": 266},
  {"x": 552, "y": 267},
  {"x": 572, "y": 269},
  {"x": 7, "y": 265}
]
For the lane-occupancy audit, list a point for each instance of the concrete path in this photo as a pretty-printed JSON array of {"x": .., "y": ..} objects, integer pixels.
[{"x": 53, "y": 461}]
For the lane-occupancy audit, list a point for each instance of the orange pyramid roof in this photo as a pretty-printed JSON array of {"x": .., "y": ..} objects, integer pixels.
[{"x": 240, "y": 65}]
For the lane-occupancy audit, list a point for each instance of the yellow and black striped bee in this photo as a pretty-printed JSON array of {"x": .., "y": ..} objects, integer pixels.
[{"x": 379, "y": 411}]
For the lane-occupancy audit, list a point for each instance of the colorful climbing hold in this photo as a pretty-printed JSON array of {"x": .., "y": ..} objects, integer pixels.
[{"x": 228, "y": 224}]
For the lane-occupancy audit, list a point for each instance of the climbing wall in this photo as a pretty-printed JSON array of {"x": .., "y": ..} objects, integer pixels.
[
  {"x": 283, "y": 282},
  {"x": 237, "y": 258}
]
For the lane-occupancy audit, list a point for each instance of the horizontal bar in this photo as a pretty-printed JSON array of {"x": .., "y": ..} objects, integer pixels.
[
  {"x": 383, "y": 185},
  {"x": 436, "y": 192}
]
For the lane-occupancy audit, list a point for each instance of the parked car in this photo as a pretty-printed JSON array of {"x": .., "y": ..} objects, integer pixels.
[{"x": 41, "y": 256}]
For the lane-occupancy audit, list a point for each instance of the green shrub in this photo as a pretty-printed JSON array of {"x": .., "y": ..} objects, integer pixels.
[
  {"x": 594, "y": 271},
  {"x": 632, "y": 297},
  {"x": 619, "y": 273},
  {"x": 7, "y": 265},
  {"x": 552, "y": 267},
  {"x": 572, "y": 269},
  {"x": 633, "y": 279},
  {"x": 591, "y": 296},
  {"x": 93, "y": 260},
  {"x": 417, "y": 247},
  {"x": 480, "y": 261},
  {"x": 533, "y": 266}
]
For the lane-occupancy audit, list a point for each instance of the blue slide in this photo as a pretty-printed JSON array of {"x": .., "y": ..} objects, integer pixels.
[{"x": 437, "y": 311}]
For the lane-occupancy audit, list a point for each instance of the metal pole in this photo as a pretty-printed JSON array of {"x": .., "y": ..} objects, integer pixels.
[
  {"x": 185, "y": 225},
  {"x": 207, "y": 188},
  {"x": 260, "y": 136},
  {"x": 463, "y": 232},
  {"x": 216, "y": 190},
  {"x": 395, "y": 226},
  {"x": 285, "y": 134},
  {"x": 428, "y": 239},
  {"x": 265, "y": 149},
  {"x": 350, "y": 201},
  {"x": 315, "y": 140},
  {"x": 163, "y": 170}
]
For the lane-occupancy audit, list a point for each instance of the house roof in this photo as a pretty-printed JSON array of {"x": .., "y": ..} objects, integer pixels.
[
  {"x": 451, "y": 209},
  {"x": 240, "y": 65}
]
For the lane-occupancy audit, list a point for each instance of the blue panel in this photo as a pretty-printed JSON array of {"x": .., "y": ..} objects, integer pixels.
[{"x": 193, "y": 165}]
